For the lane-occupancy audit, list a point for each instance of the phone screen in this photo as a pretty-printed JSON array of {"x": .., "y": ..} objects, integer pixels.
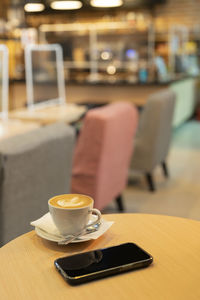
[{"x": 102, "y": 260}]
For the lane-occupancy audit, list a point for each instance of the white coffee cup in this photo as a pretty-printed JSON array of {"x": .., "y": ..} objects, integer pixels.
[{"x": 71, "y": 212}]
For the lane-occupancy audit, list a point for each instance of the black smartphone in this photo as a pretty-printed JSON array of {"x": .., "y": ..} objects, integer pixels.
[{"x": 83, "y": 267}]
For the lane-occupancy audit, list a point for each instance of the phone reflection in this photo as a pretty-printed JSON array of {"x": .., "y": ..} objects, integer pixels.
[{"x": 83, "y": 260}]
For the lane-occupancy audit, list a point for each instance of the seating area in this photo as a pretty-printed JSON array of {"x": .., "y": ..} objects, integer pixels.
[
  {"x": 52, "y": 160},
  {"x": 114, "y": 142}
]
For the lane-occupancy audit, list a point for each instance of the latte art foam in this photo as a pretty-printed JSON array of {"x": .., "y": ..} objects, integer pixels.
[{"x": 73, "y": 202}]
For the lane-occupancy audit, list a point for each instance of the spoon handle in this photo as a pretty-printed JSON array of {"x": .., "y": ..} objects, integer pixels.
[{"x": 71, "y": 238}]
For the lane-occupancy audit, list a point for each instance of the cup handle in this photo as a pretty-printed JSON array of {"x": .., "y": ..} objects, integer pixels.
[{"x": 96, "y": 212}]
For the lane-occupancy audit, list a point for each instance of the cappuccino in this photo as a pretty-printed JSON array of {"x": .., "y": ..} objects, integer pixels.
[
  {"x": 71, "y": 212},
  {"x": 71, "y": 201}
]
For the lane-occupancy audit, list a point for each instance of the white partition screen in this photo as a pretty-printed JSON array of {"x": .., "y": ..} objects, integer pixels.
[
  {"x": 4, "y": 79},
  {"x": 44, "y": 75}
]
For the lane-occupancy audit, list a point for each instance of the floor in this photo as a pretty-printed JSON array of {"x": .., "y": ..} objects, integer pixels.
[{"x": 180, "y": 194}]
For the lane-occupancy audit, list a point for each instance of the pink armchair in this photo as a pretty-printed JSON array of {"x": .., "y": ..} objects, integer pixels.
[{"x": 103, "y": 153}]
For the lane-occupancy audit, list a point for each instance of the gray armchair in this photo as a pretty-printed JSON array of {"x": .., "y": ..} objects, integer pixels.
[
  {"x": 33, "y": 167},
  {"x": 154, "y": 134}
]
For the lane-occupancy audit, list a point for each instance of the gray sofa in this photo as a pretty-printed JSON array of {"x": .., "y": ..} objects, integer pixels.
[{"x": 33, "y": 167}]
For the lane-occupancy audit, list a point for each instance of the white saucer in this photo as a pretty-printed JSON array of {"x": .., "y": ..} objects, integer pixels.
[{"x": 50, "y": 237}]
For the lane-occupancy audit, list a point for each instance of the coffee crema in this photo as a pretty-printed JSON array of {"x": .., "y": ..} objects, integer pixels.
[{"x": 71, "y": 201}]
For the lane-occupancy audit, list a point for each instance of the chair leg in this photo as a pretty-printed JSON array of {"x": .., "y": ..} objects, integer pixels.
[
  {"x": 120, "y": 204},
  {"x": 150, "y": 182},
  {"x": 165, "y": 169}
]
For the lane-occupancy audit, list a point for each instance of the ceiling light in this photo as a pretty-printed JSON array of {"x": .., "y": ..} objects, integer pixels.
[
  {"x": 105, "y": 55},
  {"x": 111, "y": 70},
  {"x": 106, "y": 3},
  {"x": 62, "y": 5},
  {"x": 34, "y": 7}
]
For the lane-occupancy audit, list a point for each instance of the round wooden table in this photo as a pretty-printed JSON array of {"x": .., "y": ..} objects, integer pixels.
[
  {"x": 27, "y": 263},
  {"x": 68, "y": 113}
]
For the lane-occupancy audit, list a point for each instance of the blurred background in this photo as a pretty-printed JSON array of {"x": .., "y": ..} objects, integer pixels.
[
  {"x": 136, "y": 41},
  {"x": 136, "y": 46}
]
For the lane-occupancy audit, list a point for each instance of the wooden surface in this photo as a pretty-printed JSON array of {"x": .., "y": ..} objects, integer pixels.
[
  {"x": 10, "y": 128},
  {"x": 68, "y": 113},
  {"x": 27, "y": 263},
  {"x": 91, "y": 93}
]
